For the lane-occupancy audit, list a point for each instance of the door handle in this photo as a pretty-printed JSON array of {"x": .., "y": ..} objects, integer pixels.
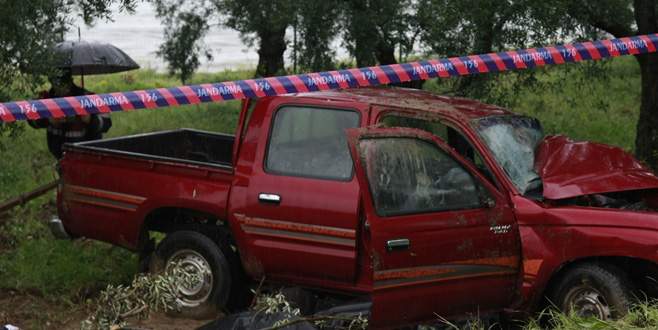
[
  {"x": 269, "y": 198},
  {"x": 397, "y": 244}
]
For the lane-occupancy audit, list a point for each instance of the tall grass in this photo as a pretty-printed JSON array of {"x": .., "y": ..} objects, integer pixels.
[{"x": 641, "y": 316}]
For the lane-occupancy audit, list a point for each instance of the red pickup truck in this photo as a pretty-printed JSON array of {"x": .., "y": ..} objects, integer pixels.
[{"x": 420, "y": 204}]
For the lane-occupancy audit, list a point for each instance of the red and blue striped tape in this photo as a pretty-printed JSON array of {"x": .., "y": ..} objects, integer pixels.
[{"x": 318, "y": 81}]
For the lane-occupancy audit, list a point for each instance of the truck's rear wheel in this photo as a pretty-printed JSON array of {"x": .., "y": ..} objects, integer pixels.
[
  {"x": 593, "y": 290},
  {"x": 200, "y": 256}
]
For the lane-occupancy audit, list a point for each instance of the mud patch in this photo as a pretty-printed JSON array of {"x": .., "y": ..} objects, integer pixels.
[{"x": 28, "y": 311}]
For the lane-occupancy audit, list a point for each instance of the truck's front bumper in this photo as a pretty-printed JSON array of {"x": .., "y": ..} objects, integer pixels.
[{"x": 57, "y": 228}]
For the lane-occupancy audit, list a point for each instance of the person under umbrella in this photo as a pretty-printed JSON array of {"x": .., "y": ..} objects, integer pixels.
[
  {"x": 80, "y": 58},
  {"x": 69, "y": 129}
]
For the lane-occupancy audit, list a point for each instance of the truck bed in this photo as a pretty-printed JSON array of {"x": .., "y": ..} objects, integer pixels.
[{"x": 182, "y": 145}]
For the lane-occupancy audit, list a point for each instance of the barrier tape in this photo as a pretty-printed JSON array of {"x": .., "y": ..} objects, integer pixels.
[{"x": 319, "y": 81}]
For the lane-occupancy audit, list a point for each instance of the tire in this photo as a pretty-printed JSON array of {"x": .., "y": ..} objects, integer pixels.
[
  {"x": 596, "y": 290},
  {"x": 199, "y": 254}
]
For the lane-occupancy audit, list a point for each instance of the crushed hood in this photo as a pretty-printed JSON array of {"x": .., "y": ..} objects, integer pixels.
[{"x": 572, "y": 168}]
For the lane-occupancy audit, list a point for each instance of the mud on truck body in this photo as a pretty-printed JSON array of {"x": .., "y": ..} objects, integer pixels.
[{"x": 422, "y": 205}]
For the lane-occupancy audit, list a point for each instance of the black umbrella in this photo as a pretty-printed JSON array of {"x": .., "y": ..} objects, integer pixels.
[{"x": 89, "y": 58}]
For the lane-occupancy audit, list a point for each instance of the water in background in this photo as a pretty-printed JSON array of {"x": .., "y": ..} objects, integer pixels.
[{"x": 140, "y": 35}]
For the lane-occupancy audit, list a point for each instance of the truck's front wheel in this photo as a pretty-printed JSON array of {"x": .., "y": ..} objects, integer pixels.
[
  {"x": 199, "y": 256},
  {"x": 593, "y": 290}
]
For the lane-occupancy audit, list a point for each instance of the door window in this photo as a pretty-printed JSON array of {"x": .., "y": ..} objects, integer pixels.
[
  {"x": 311, "y": 142},
  {"x": 448, "y": 134},
  {"x": 408, "y": 175}
]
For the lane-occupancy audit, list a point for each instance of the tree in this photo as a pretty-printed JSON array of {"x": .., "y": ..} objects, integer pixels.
[
  {"x": 262, "y": 22},
  {"x": 317, "y": 26},
  {"x": 459, "y": 27},
  {"x": 185, "y": 28},
  {"x": 623, "y": 18},
  {"x": 373, "y": 28}
]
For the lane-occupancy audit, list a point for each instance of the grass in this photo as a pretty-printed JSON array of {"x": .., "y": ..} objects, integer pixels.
[
  {"x": 641, "y": 316},
  {"x": 572, "y": 100}
]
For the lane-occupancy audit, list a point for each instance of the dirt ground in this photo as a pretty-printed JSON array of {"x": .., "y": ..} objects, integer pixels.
[{"x": 32, "y": 312}]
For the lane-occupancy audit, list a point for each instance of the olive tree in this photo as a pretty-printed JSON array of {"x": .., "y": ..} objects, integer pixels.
[
  {"x": 622, "y": 18},
  {"x": 186, "y": 24}
]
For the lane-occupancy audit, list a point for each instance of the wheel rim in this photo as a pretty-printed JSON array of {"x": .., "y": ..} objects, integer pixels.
[
  {"x": 585, "y": 301},
  {"x": 196, "y": 291}
]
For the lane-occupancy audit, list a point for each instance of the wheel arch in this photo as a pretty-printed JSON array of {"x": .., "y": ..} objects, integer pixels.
[
  {"x": 172, "y": 219},
  {"x": 642, "y": 273},
  {"x": 168, "y": 219}
]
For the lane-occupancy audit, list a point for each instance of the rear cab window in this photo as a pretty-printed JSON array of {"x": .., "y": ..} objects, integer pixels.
[{"x": 311, "y": 142}]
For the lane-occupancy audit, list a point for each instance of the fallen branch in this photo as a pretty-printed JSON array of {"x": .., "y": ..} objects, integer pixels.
[{"x": 28, "y": 196}]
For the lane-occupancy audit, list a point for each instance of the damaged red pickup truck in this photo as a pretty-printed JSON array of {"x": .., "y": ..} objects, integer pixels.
[{"x": 420, "y": 204}]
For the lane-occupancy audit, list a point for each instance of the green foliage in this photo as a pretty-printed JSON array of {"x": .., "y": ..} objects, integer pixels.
[
  {"x": 317, "y": 26},
  {"x": 494, "y": 26},
  {"x": 263, "y": 22},
  {"x": 27, "y": 30},
  {"x": 248, "y": 16},
  {"x": 372, "y": 29},
  {"x": 146, "y": 293},
  {"x": 595, "y": 16},
  {"x": 185, "y": 28},
  {"x": 91, "y": 10}
]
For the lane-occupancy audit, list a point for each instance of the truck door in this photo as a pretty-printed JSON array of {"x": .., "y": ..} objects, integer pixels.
[
  {"x": 443, "y": 241},
  {"x": 300, "y": 219}
]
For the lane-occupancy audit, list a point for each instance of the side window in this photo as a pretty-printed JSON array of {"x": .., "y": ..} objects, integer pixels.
[
  {"x": 448, "y": 134},
  {"x": 311, "y": 142},
  {"x": 408, "y": 176}
]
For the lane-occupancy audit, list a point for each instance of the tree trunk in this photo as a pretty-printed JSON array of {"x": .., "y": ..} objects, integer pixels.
[
  {"x": 385, "y": 54},
  {"x": 270, "y": 52},
  {"x": 477, "y": 86},
  {"x": 646, "y": 139}
]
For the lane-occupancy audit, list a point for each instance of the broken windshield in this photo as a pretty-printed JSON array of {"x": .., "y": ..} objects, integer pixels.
[{"x": 512, "y": 141}]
